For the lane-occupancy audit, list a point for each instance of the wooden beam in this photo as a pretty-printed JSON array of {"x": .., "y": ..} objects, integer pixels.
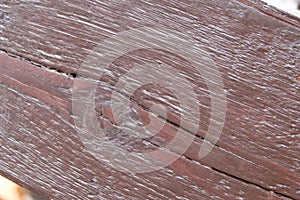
[{"x": 255, "y": 48}]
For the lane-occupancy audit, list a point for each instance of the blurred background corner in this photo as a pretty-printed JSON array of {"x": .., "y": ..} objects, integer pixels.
[
  {"x": 11, "y": 191},
  {"x": 290, "y": 6}
]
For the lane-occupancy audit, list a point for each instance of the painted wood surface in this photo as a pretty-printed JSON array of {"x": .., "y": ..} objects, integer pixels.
[{"x": 255, "y": 47}]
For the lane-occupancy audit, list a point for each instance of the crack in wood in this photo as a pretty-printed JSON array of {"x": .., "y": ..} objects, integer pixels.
[{"x": 170, "y": 123}]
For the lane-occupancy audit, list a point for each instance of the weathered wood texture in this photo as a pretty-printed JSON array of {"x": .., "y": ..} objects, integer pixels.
[
  {"x": 41, "y": 148},
  {"x": 255, "y": 47}
]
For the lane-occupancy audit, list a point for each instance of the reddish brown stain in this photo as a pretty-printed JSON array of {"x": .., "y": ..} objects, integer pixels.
[{"x": 256, "y": 156}]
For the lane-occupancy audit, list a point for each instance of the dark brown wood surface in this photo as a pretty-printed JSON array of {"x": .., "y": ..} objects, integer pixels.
[{"x": 255, "y": 47}]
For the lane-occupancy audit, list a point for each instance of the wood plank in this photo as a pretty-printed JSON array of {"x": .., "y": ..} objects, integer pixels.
[
  {"x": 48, "y": 138},
  {"x": 255, "y": 47},
  {"x": 250, "y": 58}
]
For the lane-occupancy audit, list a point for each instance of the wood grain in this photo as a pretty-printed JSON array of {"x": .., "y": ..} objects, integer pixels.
[
  {"x": 255, "y": 47},
  {"x": 41, "y": 149}
]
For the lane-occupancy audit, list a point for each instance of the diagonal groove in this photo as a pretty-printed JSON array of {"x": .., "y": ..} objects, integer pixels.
[
  {"x": 250, "y": 183},
  {"x": 161, "y": 117},
  {"x": 193, "y": 160}
]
